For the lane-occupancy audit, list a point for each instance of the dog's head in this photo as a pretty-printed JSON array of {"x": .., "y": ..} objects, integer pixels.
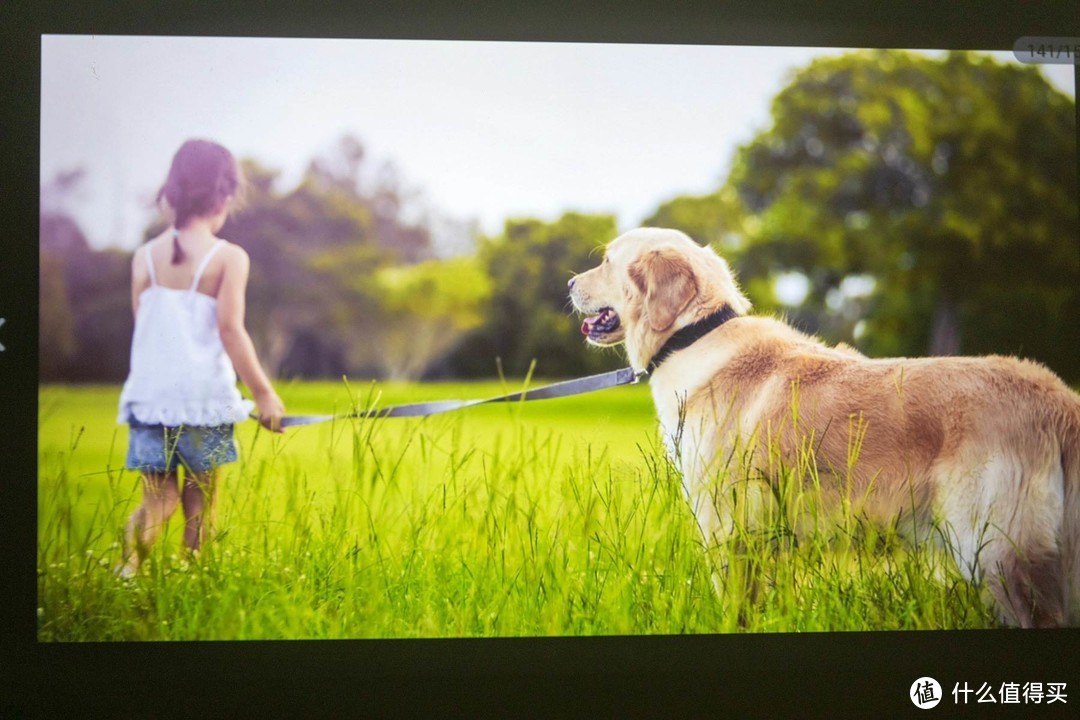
[{"x": 651, "y": 283}]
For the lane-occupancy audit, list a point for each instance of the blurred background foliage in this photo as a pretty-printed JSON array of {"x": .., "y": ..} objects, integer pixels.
[{"x": 905, "y": 204}]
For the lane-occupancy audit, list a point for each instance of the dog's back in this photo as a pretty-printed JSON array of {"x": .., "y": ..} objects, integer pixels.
[{"x": 987, "y": 447}]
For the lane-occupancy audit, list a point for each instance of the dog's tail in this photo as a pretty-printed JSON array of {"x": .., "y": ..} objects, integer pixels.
[{"x": 1070, "y": 528}]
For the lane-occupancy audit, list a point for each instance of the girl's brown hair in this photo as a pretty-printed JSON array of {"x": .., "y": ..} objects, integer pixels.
[{"x": 203, "y": 176}]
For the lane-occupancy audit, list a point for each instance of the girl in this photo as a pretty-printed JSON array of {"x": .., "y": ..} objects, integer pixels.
[{"x": 180, "y": 398}]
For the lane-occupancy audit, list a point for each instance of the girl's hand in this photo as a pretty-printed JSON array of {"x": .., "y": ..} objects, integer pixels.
[{"x": 271, "y": 410}]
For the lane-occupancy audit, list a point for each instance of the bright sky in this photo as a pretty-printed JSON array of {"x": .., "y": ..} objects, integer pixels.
[{"x": 484, "y": 131}]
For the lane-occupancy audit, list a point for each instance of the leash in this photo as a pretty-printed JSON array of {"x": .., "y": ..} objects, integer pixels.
[
  {"x": 683, "y": 338},
  {"x": 580, "y": 386}
]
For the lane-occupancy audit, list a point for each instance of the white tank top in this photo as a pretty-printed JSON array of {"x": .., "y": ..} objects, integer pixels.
[{"x": 180, "y": 372}]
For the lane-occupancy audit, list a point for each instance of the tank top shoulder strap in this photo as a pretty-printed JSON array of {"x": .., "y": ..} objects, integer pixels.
[
  {"x": 204, "y": 262},
  {"x": 150, "y": 264}
]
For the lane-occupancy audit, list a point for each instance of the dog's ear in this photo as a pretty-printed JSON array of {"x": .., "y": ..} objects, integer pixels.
[{"x": 666, "y": 279}]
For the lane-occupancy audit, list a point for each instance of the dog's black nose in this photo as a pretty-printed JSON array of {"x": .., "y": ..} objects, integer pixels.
[{"x": 570, "y": 283}]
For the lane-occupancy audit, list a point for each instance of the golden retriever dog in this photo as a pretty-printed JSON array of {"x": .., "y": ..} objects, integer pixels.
[{"x": 982, "y": 453}]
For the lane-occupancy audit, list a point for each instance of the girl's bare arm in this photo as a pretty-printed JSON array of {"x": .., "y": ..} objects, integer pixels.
[
  {"x": 237, "y": 342},
  {"x": 140, "y": 279}
]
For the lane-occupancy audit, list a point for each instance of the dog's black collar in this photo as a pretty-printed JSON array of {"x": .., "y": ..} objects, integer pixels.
[{"x": 687, "y": 336}]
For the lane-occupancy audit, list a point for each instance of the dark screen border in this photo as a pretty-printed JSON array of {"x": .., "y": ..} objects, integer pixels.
[{"x": 820, "y": 674}]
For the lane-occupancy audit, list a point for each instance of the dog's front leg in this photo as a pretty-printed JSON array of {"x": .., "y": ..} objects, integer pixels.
[
  {"x": 714, "y": 499},
  {"x": 710, "y": 457},
  {"x": 726, "y": 500}
]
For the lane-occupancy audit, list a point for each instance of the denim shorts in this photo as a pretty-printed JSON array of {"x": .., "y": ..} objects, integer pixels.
[{"x": 158, "y": 448}]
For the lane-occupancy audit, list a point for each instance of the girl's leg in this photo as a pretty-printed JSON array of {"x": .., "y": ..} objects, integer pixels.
[
  {"x": 160, "y": 497},
  {"x": 198, "y": 501}
]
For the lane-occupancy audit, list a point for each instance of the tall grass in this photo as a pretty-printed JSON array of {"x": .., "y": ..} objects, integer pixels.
[{"x": 554, "y": 518}]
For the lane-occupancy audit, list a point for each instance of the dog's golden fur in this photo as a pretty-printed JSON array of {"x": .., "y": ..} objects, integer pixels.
[{"x": 983, "y": 452}]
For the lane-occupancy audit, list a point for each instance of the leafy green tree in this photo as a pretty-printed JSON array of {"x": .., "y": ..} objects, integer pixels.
[
  {"x": 529, "y": 316},
  {"x": 425, "y": 311},
  {"x": 61, "y": 241},
  {"x": 950, "y": 182},
  {"x": 715, "y": 219},
  {"x": 319, "y": 303},
  {"x": 315, "y": 251},
  {"x": 307, "y": 246},
  {"x": 101, "y": 292},
  {"x": 341, "y": 174},
  {"x": 85, "y": 320}
]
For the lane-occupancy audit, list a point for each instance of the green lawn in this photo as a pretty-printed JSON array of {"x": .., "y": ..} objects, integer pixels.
[{"x": 558, "y": 517}]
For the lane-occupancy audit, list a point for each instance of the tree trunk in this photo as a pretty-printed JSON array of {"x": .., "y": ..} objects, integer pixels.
[
  {"x": 279, "y": 339},
  {"x": 945, "y": 335}
]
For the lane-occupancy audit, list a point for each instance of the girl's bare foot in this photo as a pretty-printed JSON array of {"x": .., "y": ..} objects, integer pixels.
[{"x": 127, "y": 569}]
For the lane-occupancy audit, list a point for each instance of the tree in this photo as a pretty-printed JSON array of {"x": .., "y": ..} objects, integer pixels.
[
  {"x": 529, "y": 317},
  {"x": 341, "y": 174},
  {"x": 950, "y": 182},
  {"x": 715, "y": 219},
  {"x": 60, "y": 241},
  {"x": 425, "y": 311},
  {"x": 99, "y": 289},
  {"x": 56, "y": 321},
  {"x": 314, "y": 252},
  {"x": 311, "y": 249},
  {"x": 85, "y": 320},
  {"x": 320, "y": 303}
]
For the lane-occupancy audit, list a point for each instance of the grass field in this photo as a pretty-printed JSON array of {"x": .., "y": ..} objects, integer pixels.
[{"x": 559, "y": 517}]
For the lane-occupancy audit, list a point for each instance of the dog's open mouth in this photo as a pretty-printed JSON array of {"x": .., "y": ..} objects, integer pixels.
[{"x": 599, "y": 325}]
